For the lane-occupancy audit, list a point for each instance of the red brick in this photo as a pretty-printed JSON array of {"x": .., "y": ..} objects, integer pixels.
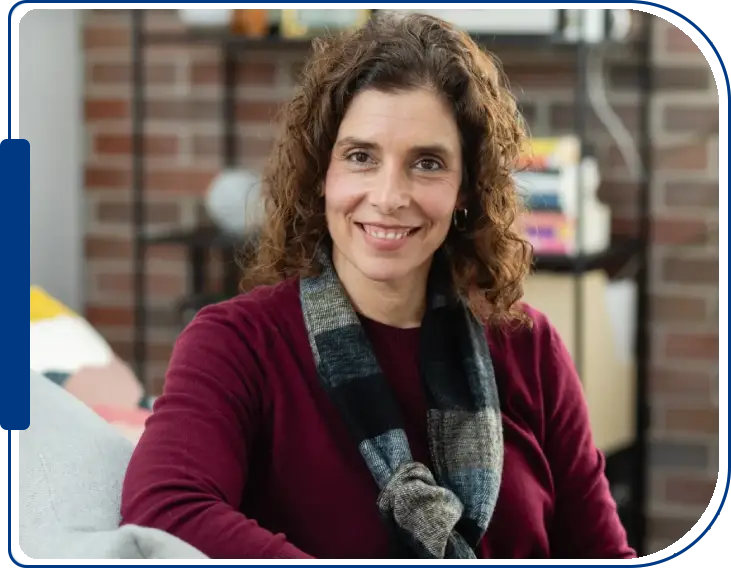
[
  {"x": 106, "y": 248},
  {"x": 154, "y": 145},
  {"x": 166, "y": 252},
  {"x": 181, "y": 181},
  {"x": 691, "y": 118},
  {"x": 206, "y": 73},
  {"x": 692, "y": 420},
  {"x": 121, "y": 73},
  {"x": 189, "y": 109},
  {"x": 107, "y": 178},
  {"x": 249, "y": 146},
  {"x": 679, "y": 79},
  {"x": 121, "y": 212},
  {"x": 95, "y": 37},
  {"x": 108, "y": 316},
  {"x": 689, "y": 490},
  {"x": 614, "y": 192},
  {"x": 679, "y": 231},
  {"x": 247, "y": 73},
  {"x": 690, "y": 270},
  {"x": 106, "y": 109},
  {"x": 103, "y": 247},
  {"x": 256, "y": 111},
  {"x": 678, "y": 42},
  {"x": 692, "y": 194},
  {"x": 612, "y": 159},
  {"x": 678, "y": 309},
  {"x": 689, "y": 346},
  {"x": 686, "y": 157},
  {"x": 541, "y": 76},
  {"x": 673, "y": 382},
  {"x": 159, "y": 285}
]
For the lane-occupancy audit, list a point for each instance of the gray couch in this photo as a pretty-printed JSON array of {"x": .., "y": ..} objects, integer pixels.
[{"x": 72, "y": 464}]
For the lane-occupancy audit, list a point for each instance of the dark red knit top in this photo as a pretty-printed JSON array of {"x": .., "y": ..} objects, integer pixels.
[{"x": 246, "y": 457}]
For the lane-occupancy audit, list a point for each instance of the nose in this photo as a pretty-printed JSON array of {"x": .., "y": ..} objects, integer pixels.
[{"x": 390, "y": 191}]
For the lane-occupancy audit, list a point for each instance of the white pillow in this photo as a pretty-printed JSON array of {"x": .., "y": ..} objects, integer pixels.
[{"x": 72, "y": 464}]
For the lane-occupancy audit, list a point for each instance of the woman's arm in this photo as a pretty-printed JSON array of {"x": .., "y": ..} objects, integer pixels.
[
  {"x": 188, "y": 473},
  {"x": 586, "y": 524}
]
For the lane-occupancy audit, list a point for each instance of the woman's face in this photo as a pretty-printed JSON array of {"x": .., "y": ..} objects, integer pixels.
[{"x": 393, "y": 183}]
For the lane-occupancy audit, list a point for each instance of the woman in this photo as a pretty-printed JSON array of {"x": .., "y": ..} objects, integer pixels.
[{"x": 381, "y": 392}]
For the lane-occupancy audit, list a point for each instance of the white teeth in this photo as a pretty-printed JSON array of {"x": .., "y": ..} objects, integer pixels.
[{"x": 385, "y": 234}]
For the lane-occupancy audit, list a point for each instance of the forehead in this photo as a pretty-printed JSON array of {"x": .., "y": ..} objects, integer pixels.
[{"x": 415, "y": 117}]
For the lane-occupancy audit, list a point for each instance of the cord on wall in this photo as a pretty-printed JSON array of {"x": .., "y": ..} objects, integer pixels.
[{"x": 605, "y": 113}]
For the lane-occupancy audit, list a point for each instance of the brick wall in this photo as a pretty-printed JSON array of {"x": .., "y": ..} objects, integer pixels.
[
  {"x": 684, "y": 378},
  {"x": 182, "y": 146}
]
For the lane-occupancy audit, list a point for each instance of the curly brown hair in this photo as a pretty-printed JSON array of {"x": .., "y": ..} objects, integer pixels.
[{"x": 391, "y": 53}]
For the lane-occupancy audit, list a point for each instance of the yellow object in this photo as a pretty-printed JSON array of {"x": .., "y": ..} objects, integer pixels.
[
  {"x": 44, "y": 307},
  {"x": 60, "y": 339},
  {"x": 558, "y": 152},
  {"x": 308, "y": 23}
]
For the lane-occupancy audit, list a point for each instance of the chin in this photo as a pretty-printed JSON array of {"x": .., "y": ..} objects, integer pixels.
[{"x": 383, "y": 271}]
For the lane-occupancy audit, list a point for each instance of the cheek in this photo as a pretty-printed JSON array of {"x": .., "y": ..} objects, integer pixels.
[
  {"x": 438, "y": 205},
  {"x": 342, "y": 192}
]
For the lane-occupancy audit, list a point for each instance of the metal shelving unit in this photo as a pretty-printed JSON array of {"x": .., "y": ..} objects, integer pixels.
[{"x": 629, "y": 464}]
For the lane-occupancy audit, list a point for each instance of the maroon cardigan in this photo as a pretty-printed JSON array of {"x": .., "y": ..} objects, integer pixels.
[{"x": 245, "y": 456}]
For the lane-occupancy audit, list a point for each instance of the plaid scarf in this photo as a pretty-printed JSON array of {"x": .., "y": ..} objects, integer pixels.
[{"x": 443, "y": 514}]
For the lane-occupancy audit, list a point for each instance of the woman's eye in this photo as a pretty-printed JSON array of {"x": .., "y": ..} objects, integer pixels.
[
  {"x": 359, "y": 157},
  {"x": 429, "y": 165}
]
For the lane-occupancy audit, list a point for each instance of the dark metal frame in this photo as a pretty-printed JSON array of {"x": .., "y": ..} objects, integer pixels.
[
  {"x": 643, "y": 344},
  {"x": 199, "y": 242}
]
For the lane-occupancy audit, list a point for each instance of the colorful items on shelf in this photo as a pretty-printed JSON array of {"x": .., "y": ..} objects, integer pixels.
[
  {"x": 250, "y": 22},
  {"x": 260, "y": 23},
  {"x": 310, "y": 22},
  {"x": 255, "y": 23},
  {"x": 558, "y": 186}
]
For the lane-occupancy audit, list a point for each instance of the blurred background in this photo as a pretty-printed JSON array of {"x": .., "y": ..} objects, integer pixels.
[{"x": 149, "y": 129}]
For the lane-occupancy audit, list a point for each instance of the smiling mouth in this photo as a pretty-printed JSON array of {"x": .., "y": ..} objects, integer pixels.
[{"x": 387, "y": 233}]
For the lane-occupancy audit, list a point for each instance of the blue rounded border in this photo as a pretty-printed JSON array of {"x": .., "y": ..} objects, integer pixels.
[{"x": 708, "y": 547}]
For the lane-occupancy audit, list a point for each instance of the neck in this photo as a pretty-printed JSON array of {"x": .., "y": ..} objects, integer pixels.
[{"x": 400, "y": 303}]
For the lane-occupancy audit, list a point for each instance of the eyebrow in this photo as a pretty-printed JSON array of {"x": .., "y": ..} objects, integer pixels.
[{"x": 435, "y": 149}]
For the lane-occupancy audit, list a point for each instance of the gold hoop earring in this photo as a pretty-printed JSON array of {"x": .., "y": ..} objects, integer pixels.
[{"x": 459, "y": 218}]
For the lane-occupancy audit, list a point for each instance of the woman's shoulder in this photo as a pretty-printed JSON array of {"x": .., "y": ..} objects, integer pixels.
[
  {"x": 252, "y": 312},
  {"x": 532, "y": 333},
  {"x": 237, "y": 331},
  {"x": 227, "y": 342},
  {"x": 532, "y": 351}
]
